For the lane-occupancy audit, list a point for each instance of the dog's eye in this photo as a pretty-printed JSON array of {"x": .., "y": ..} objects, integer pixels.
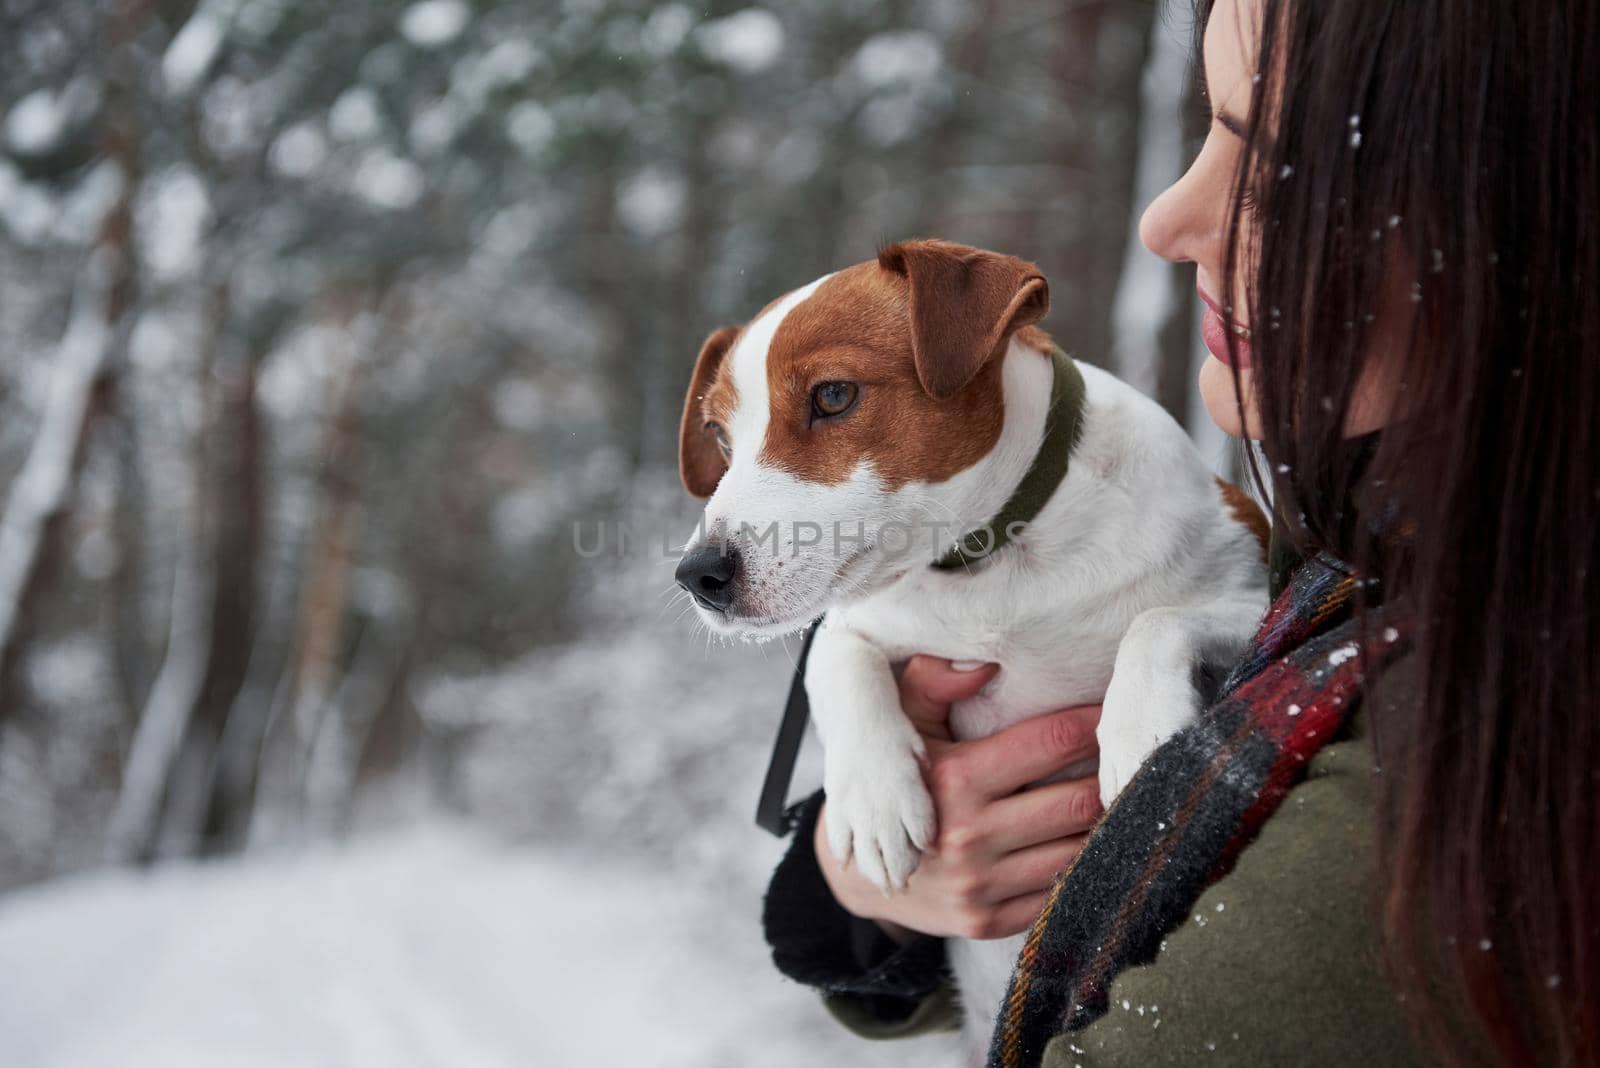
[
  {"x": 833, "y": 398},
  {"x": 722, "y": 440}
]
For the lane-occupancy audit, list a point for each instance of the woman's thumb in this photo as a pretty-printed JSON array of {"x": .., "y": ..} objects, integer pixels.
[{"x": 929, "y": 684}]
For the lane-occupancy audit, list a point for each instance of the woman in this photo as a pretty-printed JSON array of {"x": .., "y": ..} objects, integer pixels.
[{"x": 1395, "y": 220}]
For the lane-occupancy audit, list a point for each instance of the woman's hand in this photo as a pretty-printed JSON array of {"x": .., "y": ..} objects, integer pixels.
[{"x": 999, "y": 847}]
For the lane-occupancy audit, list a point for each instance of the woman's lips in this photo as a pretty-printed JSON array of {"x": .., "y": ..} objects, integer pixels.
[{"x": 1215, "y": 328}]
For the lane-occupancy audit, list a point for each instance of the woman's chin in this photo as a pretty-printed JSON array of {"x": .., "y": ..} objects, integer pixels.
[{"x": 1222, "y": 403}]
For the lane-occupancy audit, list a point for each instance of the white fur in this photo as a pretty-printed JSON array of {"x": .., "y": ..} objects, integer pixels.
[{"x": 1132, "y": 575}]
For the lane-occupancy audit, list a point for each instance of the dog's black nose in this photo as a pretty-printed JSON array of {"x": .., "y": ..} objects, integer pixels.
[{"x": 707, "y": 573}]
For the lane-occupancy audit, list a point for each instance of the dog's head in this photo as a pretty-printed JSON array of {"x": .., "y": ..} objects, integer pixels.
[{"x": 830, "y": 432}]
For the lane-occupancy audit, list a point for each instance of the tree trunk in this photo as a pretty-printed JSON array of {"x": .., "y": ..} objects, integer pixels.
[
  {"x": 127, "y": 629},
  {"x": 318, "y": 651},
  {"x": 368, "y": 688},
  {"x": 37, "y": 507},
  {"x": 234, "y": 490},
  {"x": 154, "y": 754},
  {"x": 33, "y": 525},
  {"x": 1147, "y": 298}
]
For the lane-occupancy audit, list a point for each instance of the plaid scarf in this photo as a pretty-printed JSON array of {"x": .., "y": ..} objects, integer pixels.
[{"x": 1198, "y": 801}]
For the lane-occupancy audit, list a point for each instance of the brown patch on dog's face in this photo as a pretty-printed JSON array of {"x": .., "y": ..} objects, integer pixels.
[
  {"x": 1246, "y": 512},
  {"x": 858, "y": 327},
  {"x": 711, "y": 396}
]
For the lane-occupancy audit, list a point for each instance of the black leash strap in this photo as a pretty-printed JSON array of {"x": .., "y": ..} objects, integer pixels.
[{"x": 771, "y": 813}]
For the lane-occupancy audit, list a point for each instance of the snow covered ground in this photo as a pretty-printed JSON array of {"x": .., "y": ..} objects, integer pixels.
[
  {"x": 434, "y": 947},
  {"x": 579, "y": 884}
]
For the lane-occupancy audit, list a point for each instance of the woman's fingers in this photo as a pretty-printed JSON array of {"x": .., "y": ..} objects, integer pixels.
[
  {"x": 1034, "y": 749},
  {"x": 999, "y": 850},
  {"x": 1028, "y": 871},
  {"x": 1043, "y": 814},
  {"x": 928, "y": 685},
  {"x": 1010, "y": 917}
]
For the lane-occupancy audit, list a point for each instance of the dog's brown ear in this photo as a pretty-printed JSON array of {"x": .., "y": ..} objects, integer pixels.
[
  {"x": 965, "y": 304},
  {"x": 700, "y": 461}
]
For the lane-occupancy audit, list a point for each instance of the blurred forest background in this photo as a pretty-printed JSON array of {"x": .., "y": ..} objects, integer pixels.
[{"x": 322, "y": 324}]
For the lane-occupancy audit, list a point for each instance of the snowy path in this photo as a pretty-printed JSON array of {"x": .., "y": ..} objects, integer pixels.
[{"x": 425, "y": 948}]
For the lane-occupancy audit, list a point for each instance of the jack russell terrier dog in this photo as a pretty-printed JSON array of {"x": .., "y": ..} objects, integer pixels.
[{"x": 897, "y": 446}]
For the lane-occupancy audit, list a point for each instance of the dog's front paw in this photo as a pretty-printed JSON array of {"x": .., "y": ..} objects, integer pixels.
[
  {"x": 1142, "y": 709},
  {"x": 879, "y": 811}
]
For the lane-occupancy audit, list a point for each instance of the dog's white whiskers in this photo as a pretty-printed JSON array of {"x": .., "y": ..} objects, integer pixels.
[
  {"x": 794, "y": 661},
  {"x": 680, "y": 596}
]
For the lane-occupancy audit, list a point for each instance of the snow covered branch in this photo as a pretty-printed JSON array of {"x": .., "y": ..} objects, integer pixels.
[{"x": 44, "y": 485}]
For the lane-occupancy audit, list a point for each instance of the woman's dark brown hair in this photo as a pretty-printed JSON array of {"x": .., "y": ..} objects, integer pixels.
[{"x": 1440, "y": 160}]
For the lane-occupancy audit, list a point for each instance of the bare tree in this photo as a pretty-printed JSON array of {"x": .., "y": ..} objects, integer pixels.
[
  {"x": 1147, "y": 296},
  {"x": 97, "y": 327},
  {"x": 40, "y": 494},
  {"x": 318, "y": 660},
  {"x": 148, "y": 771}
]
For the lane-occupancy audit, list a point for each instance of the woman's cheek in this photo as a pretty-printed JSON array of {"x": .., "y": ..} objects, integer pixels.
[{"x": 1222, "y": 404}]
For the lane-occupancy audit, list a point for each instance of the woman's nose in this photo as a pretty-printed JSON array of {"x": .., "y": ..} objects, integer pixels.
[{"x": 1167, "y": 226}]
